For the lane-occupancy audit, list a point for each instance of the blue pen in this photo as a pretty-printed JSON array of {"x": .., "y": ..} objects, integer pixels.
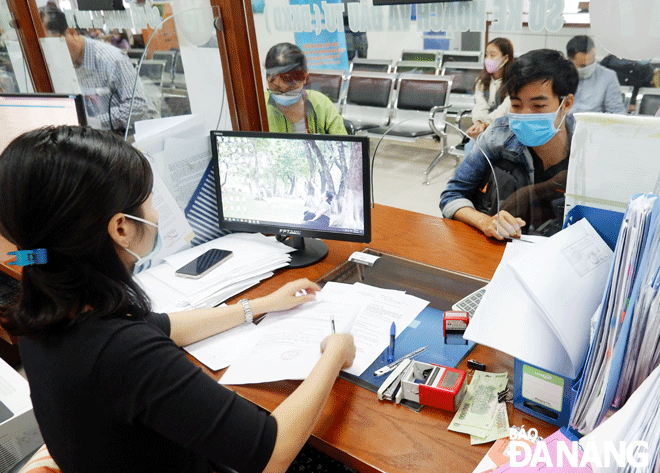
[{"x": 390, "y": 352}]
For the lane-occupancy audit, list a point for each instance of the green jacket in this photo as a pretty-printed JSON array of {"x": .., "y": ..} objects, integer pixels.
[{"x": 322, "y": 116}]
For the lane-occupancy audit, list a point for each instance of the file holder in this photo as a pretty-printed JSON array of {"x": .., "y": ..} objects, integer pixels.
[{"x": 541, "y": 393}]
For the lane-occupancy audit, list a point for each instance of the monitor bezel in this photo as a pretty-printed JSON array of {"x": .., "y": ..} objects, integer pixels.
[
  {"x": 287, "y": 229},
  {"x": 78, "y": 100}
]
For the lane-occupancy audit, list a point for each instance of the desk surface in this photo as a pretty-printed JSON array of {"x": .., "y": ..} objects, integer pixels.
[
  {"x": 355, "y": 427},
  {"x": 376, "y": 436}
]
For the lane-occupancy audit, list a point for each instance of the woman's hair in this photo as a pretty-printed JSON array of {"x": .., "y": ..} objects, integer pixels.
[
  {"x": 61, "y": 186},
  {"x": 285, "y": 57},
  {"x": 506, "y": 48}
]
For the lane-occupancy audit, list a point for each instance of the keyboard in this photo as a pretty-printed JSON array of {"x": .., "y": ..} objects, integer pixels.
[
  {"x": 470, "y": 302},
  {"x": 8, "y": 288}
]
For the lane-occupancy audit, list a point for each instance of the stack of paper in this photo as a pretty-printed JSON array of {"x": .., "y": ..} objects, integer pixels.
[
  {"x": 542, "y": 297},
  {"x": 637, "y": 421},
  {"x": 603, "y": 366},
  {"x": 286, "y": 345},
  {"x": 255, "y": 258}
]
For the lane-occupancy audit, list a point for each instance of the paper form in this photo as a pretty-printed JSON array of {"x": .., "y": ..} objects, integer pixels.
[
  {"x": 509, "y": 320},
  {"x": 289, "y": 344},
  {"x": 566, "y": 276},
  {"x": 219, "y": 351}
]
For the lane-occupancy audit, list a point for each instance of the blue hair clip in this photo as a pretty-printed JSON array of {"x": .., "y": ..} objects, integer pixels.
[{"x": 29, "y": 257}]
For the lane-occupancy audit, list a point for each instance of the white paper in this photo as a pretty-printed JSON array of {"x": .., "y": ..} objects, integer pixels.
[
  {"x": 508, "y": 320},
  {"x": 174, "y": 229},
  {"x": 566, "y": 276},
  {"x": 289, "y": 345},
  {"x": 219, "y": 351}
]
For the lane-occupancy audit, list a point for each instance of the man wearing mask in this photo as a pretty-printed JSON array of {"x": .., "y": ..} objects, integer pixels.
[
  {"x": 528, "y": 150},
  {"x": 598, "y": 90}
]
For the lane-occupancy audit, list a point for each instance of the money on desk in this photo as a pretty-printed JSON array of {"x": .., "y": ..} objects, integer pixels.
[{"x": 477, "y": 413}]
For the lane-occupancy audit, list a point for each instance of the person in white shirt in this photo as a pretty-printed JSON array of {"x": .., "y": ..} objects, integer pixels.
[
  {"x": 599, "y": 89},
  {"x": 490, "y": 97}
]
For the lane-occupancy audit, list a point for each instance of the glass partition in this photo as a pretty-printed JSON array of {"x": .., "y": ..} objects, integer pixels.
[{"x": 14, "y": 73}]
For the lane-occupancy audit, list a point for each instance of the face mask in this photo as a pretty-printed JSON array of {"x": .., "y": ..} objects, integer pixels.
[
  {"x": 143, "y": 262},
  {"x": 287, "y": 98},
  {"x": 586, "y": 71},
  {"x": 535, "y": 129},
  {"x": 493, "y": 65}
]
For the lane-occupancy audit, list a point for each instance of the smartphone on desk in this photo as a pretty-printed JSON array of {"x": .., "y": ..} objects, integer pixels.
[{"x": 204, "y": 263}]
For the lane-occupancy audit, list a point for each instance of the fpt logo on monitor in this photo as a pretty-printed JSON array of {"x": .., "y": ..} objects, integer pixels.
[{"x": 525, "y": 450}]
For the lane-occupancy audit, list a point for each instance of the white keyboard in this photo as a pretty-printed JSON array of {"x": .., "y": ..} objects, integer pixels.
[{"x": 470, "y": 302}]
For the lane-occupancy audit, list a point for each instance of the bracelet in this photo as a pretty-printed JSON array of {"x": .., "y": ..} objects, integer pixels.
[{"x": 247, "y": 310}]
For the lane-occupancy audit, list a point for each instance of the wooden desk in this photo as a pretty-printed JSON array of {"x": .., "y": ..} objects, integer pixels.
[{"x": 355, "y": 427}]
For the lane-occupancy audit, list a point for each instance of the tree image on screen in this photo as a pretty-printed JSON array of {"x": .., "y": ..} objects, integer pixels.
[{"x": 301, "y": 183}]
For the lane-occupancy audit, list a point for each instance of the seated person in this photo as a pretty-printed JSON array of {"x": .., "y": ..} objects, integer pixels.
[
  {"x": 528, "y": 149},
  {"x": 320, "y": 218},
  {"x": 292, "y": 109},
  {"x": 491, "y": 100},
  {"x": 106, "y": 76},
  {"x": 111, "y": 389},
  {"x": 598, "y": 89}
]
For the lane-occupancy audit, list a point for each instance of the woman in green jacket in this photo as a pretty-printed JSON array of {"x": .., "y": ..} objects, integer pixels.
[{"x": 291, "y": 109}]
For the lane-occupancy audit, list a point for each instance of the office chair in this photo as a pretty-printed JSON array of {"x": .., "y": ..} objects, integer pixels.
[
  {"x": 441, "y": 133},
  {"x": 329, "y": 82},
  {"x": 415, "y": 95},
  {"x": 626, "y": 95},
  {"x": 367, "y": 99},
  {"x": 416, "y": 67},
  {"x": 464, "y": 76},
  {"x": 461, "y": 56},
  {"x": 648, "y": 101},
  {"x": 425, "y": 55},
  {"x": 168, "y": 57},
  {"x": 371, "y": 65}
]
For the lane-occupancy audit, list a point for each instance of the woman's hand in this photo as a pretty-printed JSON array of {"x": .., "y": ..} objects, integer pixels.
[
  {"x": 291, "y": 295},
  {"x": 342, "y": 343},
  {"x": 476, "y": 129},
  {"x": 506, "y": 226}
]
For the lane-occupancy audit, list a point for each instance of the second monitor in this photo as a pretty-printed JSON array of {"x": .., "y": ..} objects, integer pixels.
[{"x": 294, "y": 186}]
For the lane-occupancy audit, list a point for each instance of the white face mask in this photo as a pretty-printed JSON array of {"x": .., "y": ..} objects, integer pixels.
[
  {"x": 143, "y": 262},
  {"x": 587, "y": 71}
]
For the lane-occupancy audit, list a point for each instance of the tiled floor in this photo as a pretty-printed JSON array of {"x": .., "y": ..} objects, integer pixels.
[{"x": 398, "y": 174}]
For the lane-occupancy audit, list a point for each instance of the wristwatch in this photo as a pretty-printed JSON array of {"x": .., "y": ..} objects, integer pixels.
[{"x": 247, "y": 310}]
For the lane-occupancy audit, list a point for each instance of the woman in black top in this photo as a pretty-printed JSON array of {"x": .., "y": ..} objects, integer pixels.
[{"x": 111, "y": 389}]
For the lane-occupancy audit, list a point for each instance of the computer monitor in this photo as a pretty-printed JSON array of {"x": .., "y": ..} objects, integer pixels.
[
  {"x": 24, "y": 112},
  {"x": 296, "y": 186}
]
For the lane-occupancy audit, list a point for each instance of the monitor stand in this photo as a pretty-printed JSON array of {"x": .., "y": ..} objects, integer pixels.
[{"x": 309, "y": 250}]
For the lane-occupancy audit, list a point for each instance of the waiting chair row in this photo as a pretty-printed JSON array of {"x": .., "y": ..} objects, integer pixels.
[{"x": 428, "y": 61}]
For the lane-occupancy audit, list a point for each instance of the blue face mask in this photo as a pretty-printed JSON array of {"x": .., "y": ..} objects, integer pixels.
[
  {"x": 144, "y": 262},
  {"x": 287, "y": 98},
  {"x": 535, "y": 129}
]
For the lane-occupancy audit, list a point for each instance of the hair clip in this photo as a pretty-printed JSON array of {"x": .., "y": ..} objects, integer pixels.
[{"x": 29, "y": 257}]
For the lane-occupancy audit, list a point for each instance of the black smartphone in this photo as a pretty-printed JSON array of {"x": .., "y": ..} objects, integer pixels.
[{"x": 204, "y": 263}]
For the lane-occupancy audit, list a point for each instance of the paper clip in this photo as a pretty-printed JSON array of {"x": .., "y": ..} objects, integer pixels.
[
  {"x": 29, "y": 257},
  {"x": 501, "y": 396}
]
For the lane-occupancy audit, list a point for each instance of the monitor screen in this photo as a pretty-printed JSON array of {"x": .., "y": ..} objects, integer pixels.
[
  {"x": 24, "y": 112},
  {"x": 369, "y": 91},
  {"x": 417, "y": 94},
  {"x": 463, "y": 80},
  {"x": 295, "y": 186}
]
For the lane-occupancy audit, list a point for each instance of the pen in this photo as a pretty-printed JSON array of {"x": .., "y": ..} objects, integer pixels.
[
  {"x": 332, "y": 322},
  {"x": 391, "y": 366},
  {"x": 390, "y": 352}
]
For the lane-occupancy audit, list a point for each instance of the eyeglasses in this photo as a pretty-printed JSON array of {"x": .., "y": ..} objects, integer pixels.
[{"x": 292, "y": 76}]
